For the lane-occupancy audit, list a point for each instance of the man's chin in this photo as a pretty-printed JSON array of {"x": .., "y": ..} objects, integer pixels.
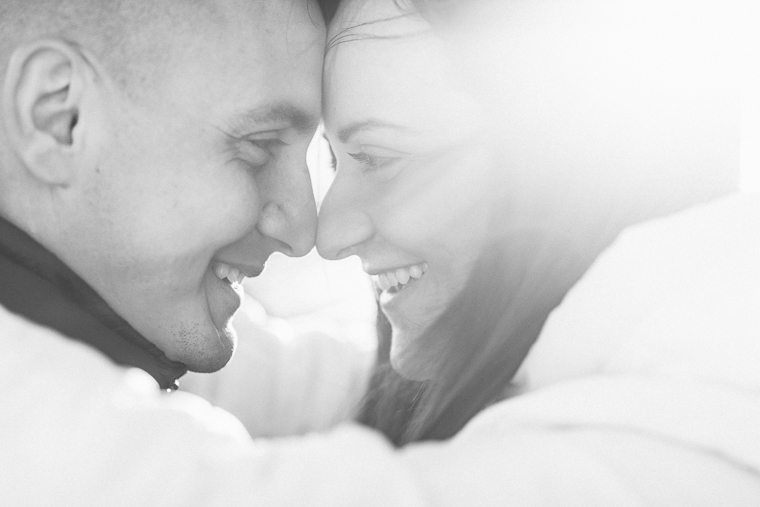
[
  {"x": 216, "y": 356},
  {"x": 203, "y": 352}
]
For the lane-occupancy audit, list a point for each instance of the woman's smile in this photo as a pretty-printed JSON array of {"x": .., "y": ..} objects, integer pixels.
[
  {"x": 395, "y": 280},
  {"x": 399, "y": 289}
]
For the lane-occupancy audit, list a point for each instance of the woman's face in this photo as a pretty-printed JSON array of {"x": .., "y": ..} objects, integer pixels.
[{"x": 410, "y": 196}]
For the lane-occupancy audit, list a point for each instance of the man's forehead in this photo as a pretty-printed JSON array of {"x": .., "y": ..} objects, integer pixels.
[
  {"x": 249, "y": 74},
  {"x": 293, "y": 21}
]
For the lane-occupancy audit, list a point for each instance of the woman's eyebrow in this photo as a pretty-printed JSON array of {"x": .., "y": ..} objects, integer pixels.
[{"x": 345, "y": 134}]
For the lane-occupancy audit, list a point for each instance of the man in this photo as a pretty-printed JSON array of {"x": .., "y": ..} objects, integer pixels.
[
  {"x": 152, "y": 154},
  {"x": 152, "y": 164}
]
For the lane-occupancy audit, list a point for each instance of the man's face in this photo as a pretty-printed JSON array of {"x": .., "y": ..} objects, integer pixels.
[{"x": 204, "y": 175}]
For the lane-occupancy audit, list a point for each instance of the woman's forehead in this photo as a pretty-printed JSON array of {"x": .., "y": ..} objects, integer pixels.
[
  {"x": 404, "y": 82},
  {"x": 361, "y": 18},
  {"x": 365, "y": 30}
]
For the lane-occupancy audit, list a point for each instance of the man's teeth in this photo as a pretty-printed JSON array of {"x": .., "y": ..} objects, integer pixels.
[
  {"x": 223, "y": 271},
  {"x": 401, "y": 276}
]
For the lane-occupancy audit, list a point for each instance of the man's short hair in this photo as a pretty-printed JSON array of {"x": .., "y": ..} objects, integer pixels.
[{"x": 122, "y": 34}]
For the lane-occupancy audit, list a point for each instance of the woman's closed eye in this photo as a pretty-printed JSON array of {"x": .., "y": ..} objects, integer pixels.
[{"x": 371, "y": 162}]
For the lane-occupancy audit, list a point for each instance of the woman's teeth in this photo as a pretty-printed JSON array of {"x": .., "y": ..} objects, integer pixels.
[
  {"x": 223, "y": 271},
  {"x": 401, "y": 276}
]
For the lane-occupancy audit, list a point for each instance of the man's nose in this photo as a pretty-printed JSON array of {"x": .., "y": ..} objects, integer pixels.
[
  {"x": 343, "y": 223},
  {"x": 290, "y": 215}
]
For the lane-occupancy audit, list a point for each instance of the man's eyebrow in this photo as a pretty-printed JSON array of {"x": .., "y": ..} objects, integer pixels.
[
  {"x": 345, "y": 134},
  {"x": 285, "y": 113}
]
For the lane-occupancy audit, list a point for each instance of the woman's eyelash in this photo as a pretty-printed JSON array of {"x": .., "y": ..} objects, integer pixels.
[
  {"x": 370, "y": 162},
  {"x": 363, "y": 158}
]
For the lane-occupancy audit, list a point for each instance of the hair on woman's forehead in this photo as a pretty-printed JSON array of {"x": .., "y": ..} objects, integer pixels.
[
  {"x": 352, "y": 12},
  {"x": 374, "y": 19}
]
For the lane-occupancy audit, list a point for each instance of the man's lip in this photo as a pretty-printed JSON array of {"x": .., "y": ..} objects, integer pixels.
[
  {"x": 248, "y": 270},
  {"x": 223, "y": 301}
]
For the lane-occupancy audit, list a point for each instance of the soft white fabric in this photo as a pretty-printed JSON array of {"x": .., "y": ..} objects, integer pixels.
[
  {"x": 641, "y": 391},
  {"x": 75, "y": 430},
  {"x": 285, "y": 381},
  {"x": 306, "y": 347},
  {"x": 643, "y": 388}
]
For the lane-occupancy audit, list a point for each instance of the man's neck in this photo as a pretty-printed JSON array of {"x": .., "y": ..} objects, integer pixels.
[{"x": 38, "y": 285}]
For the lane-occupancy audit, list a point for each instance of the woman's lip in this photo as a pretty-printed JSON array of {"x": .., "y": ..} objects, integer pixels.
[
  {"x": 391, "y": 301},
  {"x": 400, "y": 278},
  {"x": 374, "y": 271}
]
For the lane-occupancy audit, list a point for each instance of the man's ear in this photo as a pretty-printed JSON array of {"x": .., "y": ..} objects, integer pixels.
[{"x": 42, "y": 96}]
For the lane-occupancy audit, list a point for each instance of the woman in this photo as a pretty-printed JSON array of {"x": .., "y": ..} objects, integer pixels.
[
  {"x": 420, "y": 232},
  {"x": 471, "y": 233},
  {"x": 414, "y": 198}
]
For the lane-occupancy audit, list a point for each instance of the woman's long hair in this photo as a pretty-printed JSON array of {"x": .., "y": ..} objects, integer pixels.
[
  {"x": 487, "y": 332},
  {"x": 524, "y": 273},
  {"x": 491, "y": 325}
]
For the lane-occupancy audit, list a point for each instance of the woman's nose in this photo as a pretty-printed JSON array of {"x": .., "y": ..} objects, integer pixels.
[
  {"x": 290, "y": 216},
  {"x": 343, "y": 224}
]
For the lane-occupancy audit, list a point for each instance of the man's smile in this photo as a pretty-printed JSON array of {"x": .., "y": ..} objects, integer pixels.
[
  {"x": 235, "y": 273},
  {"x": 225, "y": 290}
]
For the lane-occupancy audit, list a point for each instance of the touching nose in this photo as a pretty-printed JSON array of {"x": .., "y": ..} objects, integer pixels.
[
  {"x": 343, "y": 223},
  {"x": 290, "y": 215}
]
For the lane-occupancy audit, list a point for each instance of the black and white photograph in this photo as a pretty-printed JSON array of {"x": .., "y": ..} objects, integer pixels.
[{"x": 380, "y": 253}]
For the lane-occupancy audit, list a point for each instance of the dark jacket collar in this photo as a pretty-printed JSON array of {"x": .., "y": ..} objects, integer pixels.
[{"x": 38, "y": 285}]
